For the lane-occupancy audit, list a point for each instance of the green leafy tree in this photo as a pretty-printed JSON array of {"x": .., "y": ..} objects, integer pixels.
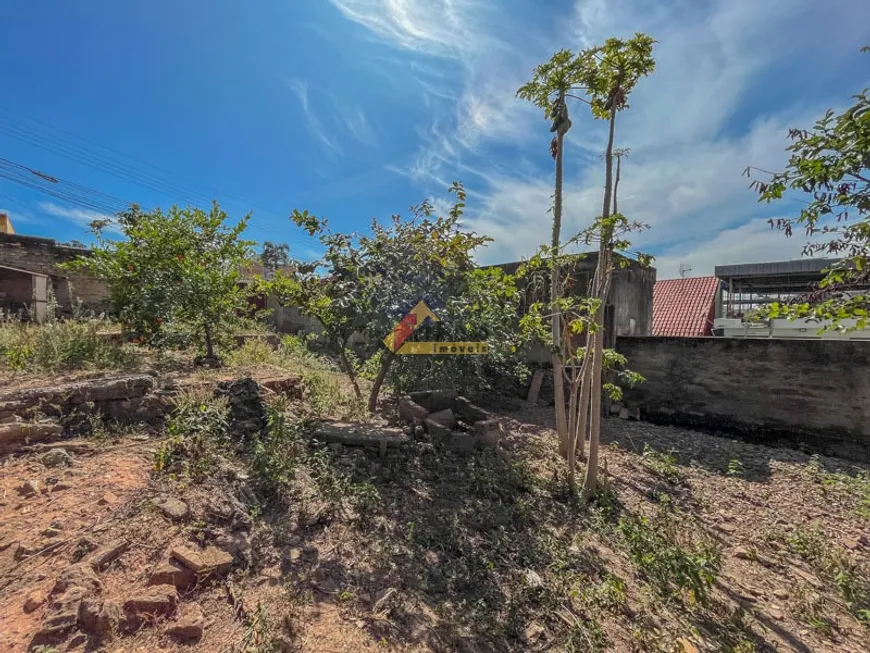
[
  {"x": 551, "y": 85},
  {"x": 831, "y": 163},
  {"x": 334, "y": 290},
  {"x": 274, "y": 255},
  {"x": 606, "y": 76},
  {"x": 610, "y": 73},
  {"x": 173, "y": 272},
  {"x": 366, "y": 283},
  {"x": 487, "y": 306}
]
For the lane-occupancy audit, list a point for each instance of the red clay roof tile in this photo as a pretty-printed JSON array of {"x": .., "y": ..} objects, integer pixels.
[{"x": 684, "y": 307}]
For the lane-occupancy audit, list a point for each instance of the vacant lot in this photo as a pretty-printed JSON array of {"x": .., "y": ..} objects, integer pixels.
[{"x": 696, "y": 543}]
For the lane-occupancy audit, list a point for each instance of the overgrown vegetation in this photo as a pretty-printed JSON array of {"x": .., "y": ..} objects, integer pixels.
[
  {"x": 662, "y": 464},
  {"x": 174, "y": 277},
  {"x": 675, "y": 562},
  {"x": 365, "y": 284},
  {"x": 856, "y": 486},
  {"x": 196, "y": 430},
  {"x": 61, "y": 345},
  {"x": 835, "y": 565}
]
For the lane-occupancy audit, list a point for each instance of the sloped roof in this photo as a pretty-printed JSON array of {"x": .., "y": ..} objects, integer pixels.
[{"x": 684, "y": 307}]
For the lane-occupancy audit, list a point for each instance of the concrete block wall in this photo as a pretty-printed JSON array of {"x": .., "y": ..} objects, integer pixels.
[
  {"x": 815, "y": 392},
  {"x": 43, "y": 255}
]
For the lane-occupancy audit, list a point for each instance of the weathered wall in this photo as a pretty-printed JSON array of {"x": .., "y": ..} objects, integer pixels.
[
  {"x": 16, "y": 288},
  {"x": 631, "y": 294},
  {"x": 288, "y": 319},
  {"x": 43, "y": 255},
  {"x": 813, "y": 392}
]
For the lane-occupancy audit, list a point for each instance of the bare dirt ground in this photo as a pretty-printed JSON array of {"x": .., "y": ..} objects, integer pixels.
[{"x": 429, "y": 550}]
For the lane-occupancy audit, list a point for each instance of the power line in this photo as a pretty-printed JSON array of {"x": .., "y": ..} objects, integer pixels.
[
  {"x": 113, "y": 165},
  {"x": 60, "y": 189},
  {"x": 102, "y": 164},
  {"x": 75, "y": 194}
]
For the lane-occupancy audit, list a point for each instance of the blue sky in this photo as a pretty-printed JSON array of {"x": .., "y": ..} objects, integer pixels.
[{"x": 356, "y": 109}]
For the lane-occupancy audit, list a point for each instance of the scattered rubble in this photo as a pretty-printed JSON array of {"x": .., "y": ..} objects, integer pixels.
[
  {"x": 210, "y": 560},
  {"x": 174, "y": 509},
  {"x": 189, "y": 625},
  {"x": 56, "y": 457}
]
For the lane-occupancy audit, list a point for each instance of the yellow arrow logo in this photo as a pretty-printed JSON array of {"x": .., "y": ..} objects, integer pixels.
[{"x": 396, "y": 340}]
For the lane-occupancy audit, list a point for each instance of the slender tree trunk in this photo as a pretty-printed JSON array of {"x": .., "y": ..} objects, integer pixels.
[
  {"x": 603, "y": 276},
  {"x": 591, "y": 484},
  {"x": 555, "y": 295},
  {"x": 583, "y": 410},
  {"x": 342, "y": 356},
  {"x": 616, "y": 181},
  {"x": 572, "y": 458},
  {"x": 386, "y": 361},
  {"x": 209, "y": 342}
]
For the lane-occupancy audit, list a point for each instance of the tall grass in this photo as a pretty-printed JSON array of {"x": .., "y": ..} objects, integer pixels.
[
  {"x": 60, "y": 345},
  {"x": 326, "y": 386}
]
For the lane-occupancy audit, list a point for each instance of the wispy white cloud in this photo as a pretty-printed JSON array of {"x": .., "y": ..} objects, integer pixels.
[
  {"x": 358, "y": 125},
  {"x": 332, "y": 119},
  {"x": 314, "y": 125},
  {"x": 19, "y": 217},
  {"x": 81, "y": 217},
  {"x": 753, "y": 242},
  {"x": 693, "y": 126},
  {"x": 471, "y": 102}
]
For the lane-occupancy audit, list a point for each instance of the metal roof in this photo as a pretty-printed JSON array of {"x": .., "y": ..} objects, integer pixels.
[{"x": 775, "y": 268}]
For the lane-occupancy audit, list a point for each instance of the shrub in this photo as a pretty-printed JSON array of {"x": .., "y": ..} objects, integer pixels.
[
  {"x": 661, "y": 464},
  {"x": 276, "y": 453},
  {"x": 196, "y": 428},
  {"x": 834, "y": 563},
  {"x": 668, "y": 558}
]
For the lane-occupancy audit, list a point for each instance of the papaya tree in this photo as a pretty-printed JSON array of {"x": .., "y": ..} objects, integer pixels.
[
  {"x": 552, "y": 84},
  {"x": 602, "y": 77},
  {"x": 609, "y": 73}
]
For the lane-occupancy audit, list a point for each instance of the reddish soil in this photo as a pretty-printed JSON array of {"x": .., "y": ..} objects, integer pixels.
[{"x": 444, "y": 538}]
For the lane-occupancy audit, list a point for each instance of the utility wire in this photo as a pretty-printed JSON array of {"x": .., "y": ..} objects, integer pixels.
[
  {"x": 94, "y": 156},
  {"x": 60, "y": 189}
]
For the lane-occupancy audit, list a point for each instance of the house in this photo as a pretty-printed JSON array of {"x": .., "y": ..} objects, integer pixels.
[
  {"x": 685, "y": 307},
  {"x": 30, "y": 275},
  {"x": 6, "y": 224}
]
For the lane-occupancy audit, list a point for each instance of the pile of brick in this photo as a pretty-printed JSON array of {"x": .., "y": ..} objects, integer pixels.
[{"x": 450, "y": 419}]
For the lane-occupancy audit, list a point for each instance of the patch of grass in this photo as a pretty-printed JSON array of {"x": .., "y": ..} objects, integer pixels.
[
  {"x": 61, "y": 345},
  {"x": 735, "y": 468},
  {"x": 835, "y": 564},
  {"x": 337, "y": 487},
  {"x": 326, "y": 396},
  {"x": 609, "y": 594},
  {"x": 255, "y": 353},
  {"x": 856, "y": 486},
  {"x": 809, "y": 607},
  {"x": 661, "y": 464},
  {"x": 196, "y": 430},
  {"x": 665, "y": 554},
  {"x": 275, "y": 454}
]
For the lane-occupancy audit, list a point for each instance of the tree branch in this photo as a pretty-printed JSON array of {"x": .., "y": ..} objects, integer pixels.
[{"x": 578, "y": 98}]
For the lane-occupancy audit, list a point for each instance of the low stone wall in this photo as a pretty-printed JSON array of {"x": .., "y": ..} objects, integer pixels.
[
  {"x": 812, "y": 393},
  {"x": 40, "y": 414}
]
